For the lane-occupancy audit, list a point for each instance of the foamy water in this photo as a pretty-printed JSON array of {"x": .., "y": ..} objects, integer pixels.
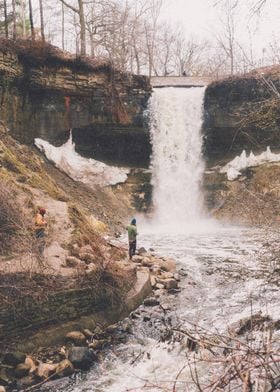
[{"x": 177, "y": 164}]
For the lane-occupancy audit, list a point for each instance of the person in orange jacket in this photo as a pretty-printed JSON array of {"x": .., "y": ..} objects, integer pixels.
[{"x": 40, "y": 229}]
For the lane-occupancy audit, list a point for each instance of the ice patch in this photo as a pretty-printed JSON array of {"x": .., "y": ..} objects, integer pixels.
[
  {"x": 234, "y": 167},
  {"x": 86, "y": 170}
]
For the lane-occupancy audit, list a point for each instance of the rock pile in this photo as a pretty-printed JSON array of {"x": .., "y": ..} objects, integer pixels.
[
  {"x": 162, "y": 271},
  {"x": 81, "y": 350}
]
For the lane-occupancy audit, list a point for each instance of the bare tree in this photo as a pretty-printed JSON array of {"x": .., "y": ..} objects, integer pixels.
[
  {"x": 42, "y": 20},
  {"x": 227, "y": 39},
  {"x": 14, "y": 19},
  {"x": 31, "y": 20},
  {"x": 6, "y": 19},
  {"x": 80, "y": 12}
]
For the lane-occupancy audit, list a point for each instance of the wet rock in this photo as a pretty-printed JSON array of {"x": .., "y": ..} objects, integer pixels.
[
  {"x": 88, "y": 333},
  {"x": 137, "y": 259},
  {"x": 4, "y": 376},
  {"x": 31, "y": 363},
  {"x": 159, "y": 293},
  {"x": 22, "y": 370},
  {"x": 96, "y": 344},
  {"x": 146, "y": 262},
  {"x": 14, "y": 358},
  {"x": 142, "y": 251},
  {"x": 98, "y": 332},
  {"x": 126, "y": 326},
  {"x": 153, "y": 281},
  {"x": 167, "y": 265},
  {"x": 170, "y": 284},
  {"x": 182, "y": 272},
  {"x": 82, "y": 357},
  {"x": 135, "y": 315},
  {"x": 111, "y": 329},
  {"x": 76, "y": 337},
  {"x": 256, "y": 321},
  {"x": 45, "y": 370},
  {"x": 25, "y": 382},
  {"x": 65, "y": 368},
  {"x": 167, "y": 275},
  {"x": 151, "y": 301}
]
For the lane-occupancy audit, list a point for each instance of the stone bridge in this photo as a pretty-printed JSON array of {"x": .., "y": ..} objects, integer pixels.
[{"x": 180, "y": 81}]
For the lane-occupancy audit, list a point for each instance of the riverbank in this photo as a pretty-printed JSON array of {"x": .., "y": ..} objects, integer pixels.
[{"x": 74, "y": 346}]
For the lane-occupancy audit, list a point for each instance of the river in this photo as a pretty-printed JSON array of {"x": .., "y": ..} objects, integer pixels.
[{"x": 222, "y": 276}]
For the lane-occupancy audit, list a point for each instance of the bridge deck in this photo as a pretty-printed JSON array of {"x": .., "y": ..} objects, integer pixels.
[{"x": 179, "y": 81}]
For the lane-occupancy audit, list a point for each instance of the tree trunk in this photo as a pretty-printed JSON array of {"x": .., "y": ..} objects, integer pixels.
[
  {"x": 31, "y": 21},
  {"x": 14, "y": 19},
  {"x": 62, "y": 27},
  {"x": 83, "y": 28},
  {"x": 6, "y": 19},
  {"x": 42, "y": 21}
]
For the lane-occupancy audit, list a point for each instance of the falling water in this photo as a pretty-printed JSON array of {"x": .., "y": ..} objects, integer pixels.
[{"x": 177, "y": 163}]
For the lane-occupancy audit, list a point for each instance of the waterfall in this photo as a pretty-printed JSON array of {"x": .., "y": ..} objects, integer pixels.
[{"x": 177, "y": 164}]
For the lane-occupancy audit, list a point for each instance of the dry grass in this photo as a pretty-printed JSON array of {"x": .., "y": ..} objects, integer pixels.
[{"x": 38, "y": 53}]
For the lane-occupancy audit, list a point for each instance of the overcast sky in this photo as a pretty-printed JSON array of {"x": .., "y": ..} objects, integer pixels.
[{"x": 201, "y": 18}]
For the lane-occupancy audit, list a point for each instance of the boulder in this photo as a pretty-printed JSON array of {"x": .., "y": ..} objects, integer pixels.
[
  {"x": 137, "y": 259},
  {"x": 65, "y": 368},
  {"x": 142, "y": 251},
  {"x": 112, "y": 328},
  {"x": 153, "y": 281},
  {"x": 167, "y": 275},
  {"x": 82, "y": 357},
  {"x": 76, "y": 337},
  {"x": 151, "y": 301},
  {"x": 31, "y": 363},
  {"x": 147, "y": 262},
  {"x": 96, "y": 344},
  {"x": 170, "y": 284},
  {"x": 167, "y": 265},
  {"x": 88, "y": 333},
  {"x": 14, "y": 358},
  {"x": 45, "y": 370}
]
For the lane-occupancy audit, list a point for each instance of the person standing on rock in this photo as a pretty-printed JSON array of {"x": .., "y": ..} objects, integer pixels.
[
  {"x": 40, "y": 229},
  {"x": 132, "y": 233}
]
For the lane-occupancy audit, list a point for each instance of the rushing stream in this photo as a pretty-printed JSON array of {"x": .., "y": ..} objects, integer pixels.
[{"x": 221, "y": 277}]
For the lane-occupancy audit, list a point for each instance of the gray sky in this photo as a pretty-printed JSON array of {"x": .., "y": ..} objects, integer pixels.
[{"x": 201, "y": 18}]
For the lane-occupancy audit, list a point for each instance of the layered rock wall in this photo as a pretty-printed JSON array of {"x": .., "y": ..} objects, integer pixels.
[
  {"x": 242, "y": 113},
  {"x": 45, "y": 100}
]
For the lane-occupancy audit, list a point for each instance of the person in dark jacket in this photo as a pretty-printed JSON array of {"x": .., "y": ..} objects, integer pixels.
[{"x": 132, "y": 233}]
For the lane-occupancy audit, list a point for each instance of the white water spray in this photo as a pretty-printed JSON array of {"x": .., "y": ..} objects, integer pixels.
[{"x": 177, "y": 164}]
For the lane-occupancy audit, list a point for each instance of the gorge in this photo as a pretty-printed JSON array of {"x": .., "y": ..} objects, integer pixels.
[{"x": 191, "y": 136}]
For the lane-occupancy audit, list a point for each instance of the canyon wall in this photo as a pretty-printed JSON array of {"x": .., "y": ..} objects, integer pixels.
[
  {"x": 44, "y": 95},
  {"x": 243, "y": 113}
]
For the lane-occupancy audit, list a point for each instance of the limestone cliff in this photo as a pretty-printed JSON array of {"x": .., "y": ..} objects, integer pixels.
[
  {"x": 243, "y": 113},
  {"x": 44, "y": 92}
]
